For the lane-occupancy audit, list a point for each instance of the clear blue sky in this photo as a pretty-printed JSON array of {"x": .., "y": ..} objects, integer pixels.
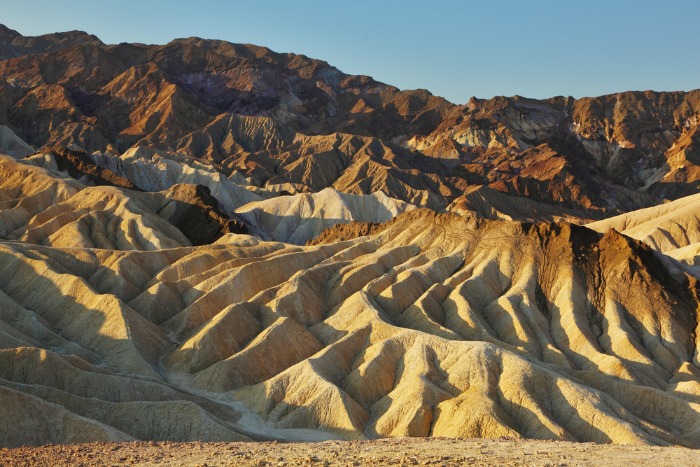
[{"x": 456, "y": 49}]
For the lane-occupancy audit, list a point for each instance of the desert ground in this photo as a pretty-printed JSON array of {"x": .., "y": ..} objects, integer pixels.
[{"x": 398, "y": 451}]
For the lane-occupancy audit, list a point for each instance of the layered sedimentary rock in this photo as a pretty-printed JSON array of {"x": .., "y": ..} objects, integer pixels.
[
  {"x": 197, "y": 199},
  {"x": 617, "y": 152},
  {"x": 434, "y": 325},
  {"x": 150, "y": 170},
  {"x": 300, "y": 218}
]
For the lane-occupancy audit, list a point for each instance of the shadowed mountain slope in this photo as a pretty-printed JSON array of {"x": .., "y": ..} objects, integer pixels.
[{"x": 672, "y": 228}]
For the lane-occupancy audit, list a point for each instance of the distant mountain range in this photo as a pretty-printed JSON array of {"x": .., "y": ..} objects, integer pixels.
[{"x": 262, "y": 114}]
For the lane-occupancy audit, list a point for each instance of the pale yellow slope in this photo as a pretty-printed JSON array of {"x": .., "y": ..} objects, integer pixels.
[
  {"x": 299, "y": 218},
  {"x": 665, "y": 227},
  {"x": 44, "y": 207},
  {"x": 435, "y": 325},
  {"x": 31, "y": 420}
]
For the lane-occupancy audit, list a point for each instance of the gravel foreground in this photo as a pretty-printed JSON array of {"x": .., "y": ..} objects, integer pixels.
[{"x": 402, "y": 451}]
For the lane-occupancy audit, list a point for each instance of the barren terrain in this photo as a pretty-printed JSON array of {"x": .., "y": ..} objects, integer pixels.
[
  {"x": 398, "y": 451},
  {"x": 205, "y": 242}
]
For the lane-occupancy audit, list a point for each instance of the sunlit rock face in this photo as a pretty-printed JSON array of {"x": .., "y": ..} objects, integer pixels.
[
  {"x": 212, "y": 241},
  {"x": 426, "y": 325}
]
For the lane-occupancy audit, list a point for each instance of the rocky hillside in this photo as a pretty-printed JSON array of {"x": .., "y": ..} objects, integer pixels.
[
  {"x": 619, "y": 151},
  {"x": 286, "y": 120}
]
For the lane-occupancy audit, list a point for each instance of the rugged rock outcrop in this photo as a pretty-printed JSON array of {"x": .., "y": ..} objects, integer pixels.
[
  {"x": 78, "y": 165},
  {"x": 13, "y": 44},
  {"x": 155, "y": 95},
  {"x": 194, "y": 211}
]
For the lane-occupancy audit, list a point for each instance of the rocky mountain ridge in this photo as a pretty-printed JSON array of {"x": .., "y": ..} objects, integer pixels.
[{"x": 288, "y": 120}]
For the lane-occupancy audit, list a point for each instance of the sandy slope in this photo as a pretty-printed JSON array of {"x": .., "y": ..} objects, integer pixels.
[
  {"x": 665, "y": 227},
  {"x": 43, "y": 206}
]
